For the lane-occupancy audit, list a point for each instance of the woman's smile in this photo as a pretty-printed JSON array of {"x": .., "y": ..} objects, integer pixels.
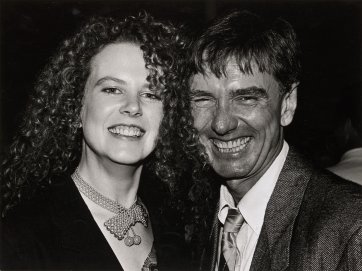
[{"x": 126, "y": 131}]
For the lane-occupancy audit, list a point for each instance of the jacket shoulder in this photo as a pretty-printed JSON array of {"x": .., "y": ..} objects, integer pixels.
[
  {"x": 335, "y": 196},
  {"x": 30, "y": 229},
  {"x": 328, "y": 221}
]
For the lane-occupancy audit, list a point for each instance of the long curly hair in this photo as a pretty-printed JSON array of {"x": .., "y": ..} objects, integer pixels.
[{"x": 49, "y": 139}]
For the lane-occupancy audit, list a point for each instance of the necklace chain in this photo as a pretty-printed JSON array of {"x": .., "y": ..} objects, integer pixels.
[
  {"x": 96, "y": 197},
  {"x": 125, "y": 219}
]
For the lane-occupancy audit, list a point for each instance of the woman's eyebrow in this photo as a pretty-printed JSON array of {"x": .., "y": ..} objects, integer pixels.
[
  {"x": 254, "y": 91},
  {"x": 118, "y": 81},
  {"x": 110, "y": 78}
]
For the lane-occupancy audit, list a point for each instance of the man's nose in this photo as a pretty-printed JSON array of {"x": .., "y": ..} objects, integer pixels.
[
  {"x": 131, "y": 106},
  {"x": 224, "y": 120}
]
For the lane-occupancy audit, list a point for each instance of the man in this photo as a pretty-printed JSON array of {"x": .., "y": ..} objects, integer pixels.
[{"x": 276, "y": 211}]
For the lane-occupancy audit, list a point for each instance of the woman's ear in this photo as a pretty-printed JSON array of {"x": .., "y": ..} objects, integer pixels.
[{"x": 289, "y": 104}]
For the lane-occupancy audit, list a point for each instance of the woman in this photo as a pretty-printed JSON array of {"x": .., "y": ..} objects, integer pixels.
[{"x": 103, "y": 109}]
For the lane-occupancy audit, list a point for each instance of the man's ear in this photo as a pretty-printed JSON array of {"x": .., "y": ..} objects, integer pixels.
[{"x": 289, "y": 104}]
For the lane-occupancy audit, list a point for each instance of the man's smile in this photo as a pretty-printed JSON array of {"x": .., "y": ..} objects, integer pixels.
[{"x": 231, "y": 146}]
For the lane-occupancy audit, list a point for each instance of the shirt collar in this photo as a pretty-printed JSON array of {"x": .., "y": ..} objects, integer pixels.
[{"x": 253, "y": 205}]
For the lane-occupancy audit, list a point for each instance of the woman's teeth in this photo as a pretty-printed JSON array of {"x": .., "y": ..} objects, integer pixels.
[{"x": 130, "y": 131}]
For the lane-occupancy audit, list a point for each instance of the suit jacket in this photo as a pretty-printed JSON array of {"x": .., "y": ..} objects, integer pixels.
[
  {"x": 55, "y": 230},
  {"x": 313, "y": 221}
]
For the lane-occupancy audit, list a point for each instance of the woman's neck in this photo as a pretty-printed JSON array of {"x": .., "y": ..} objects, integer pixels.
[{"x": 114, "y": 181}]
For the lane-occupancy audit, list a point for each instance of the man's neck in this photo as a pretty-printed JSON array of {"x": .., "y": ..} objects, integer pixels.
[{"x": 239, "y": 187}]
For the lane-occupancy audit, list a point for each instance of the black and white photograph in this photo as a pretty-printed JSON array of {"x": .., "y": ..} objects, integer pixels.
[{"x": 181, "y": 135}]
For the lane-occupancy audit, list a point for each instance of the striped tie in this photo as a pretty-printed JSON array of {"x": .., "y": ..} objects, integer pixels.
[{"x": 230, "y": 253}]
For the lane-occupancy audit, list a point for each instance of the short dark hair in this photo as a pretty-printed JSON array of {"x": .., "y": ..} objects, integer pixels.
[
  {"x": 242, "y": 35},
  {"x": 246, "y": 38}
]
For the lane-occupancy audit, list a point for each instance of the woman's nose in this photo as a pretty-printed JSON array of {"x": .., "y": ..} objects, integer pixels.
[{"x": 131, "y": 106}]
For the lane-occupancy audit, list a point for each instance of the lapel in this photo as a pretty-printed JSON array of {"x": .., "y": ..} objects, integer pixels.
[
  {"x": 81, "y": 242},
  {"x": 210, "y": 252},
  {"x": 272, "y": 250}
]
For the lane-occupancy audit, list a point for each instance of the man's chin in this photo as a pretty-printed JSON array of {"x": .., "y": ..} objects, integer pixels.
[{"x": 229, "y": 172}]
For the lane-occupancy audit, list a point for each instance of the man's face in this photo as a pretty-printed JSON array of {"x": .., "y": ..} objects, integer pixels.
[{"x": 240, "y": 118}]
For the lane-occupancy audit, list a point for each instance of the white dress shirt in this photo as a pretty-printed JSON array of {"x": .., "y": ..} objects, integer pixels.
[
  {"x": 350, "y": 166},
  {"x": 252, "y": 207}
]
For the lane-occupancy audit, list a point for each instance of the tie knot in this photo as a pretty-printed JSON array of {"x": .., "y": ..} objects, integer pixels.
[{"x": 233, "y": 221}]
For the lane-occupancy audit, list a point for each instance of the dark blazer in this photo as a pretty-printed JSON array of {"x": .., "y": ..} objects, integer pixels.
[
  {"x": 55, "y": 230},
  {"x": 313, "y": 221}
]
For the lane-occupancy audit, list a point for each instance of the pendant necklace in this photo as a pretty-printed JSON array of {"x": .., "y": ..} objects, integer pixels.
[{"x": 122, "y": 223}]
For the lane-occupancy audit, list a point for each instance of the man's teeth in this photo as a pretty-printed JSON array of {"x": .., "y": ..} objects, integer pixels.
[
  {"x": 131, "y": 131},
  {"x": 232, "y": 145}
]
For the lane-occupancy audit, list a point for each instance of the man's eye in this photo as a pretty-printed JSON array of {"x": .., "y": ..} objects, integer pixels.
[
  {"x": 152, "y": 96},
  {"x": 246, "y": 99},
  {"x": 112, "y": 90},
  {"x": 203, "y": 101}
]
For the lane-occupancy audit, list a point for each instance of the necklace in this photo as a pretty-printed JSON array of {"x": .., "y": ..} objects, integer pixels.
[{"x": 122, "y": 223}]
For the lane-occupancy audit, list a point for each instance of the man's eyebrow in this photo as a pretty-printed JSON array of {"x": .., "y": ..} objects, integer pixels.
[
  {"x": 198, "y": 92},
  {"x": 254, "y": 91},
  {"x": 110, "y": 78}
]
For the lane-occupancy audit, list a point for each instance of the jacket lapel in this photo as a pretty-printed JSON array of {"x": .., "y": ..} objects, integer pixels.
[
  {"x": 272, "y": 250},
  {"x": 210, "y": 252},
  {"x": 81, "y": 241},
  {"x": 261, "y": 259}
]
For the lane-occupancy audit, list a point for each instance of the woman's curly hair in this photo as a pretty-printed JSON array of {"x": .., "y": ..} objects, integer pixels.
[{"x": 49, "y": 140}]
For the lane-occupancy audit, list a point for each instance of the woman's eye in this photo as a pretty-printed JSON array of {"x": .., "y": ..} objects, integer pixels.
[
  {"x": 112, "y": 90},
  {"x": 150, "y": 95}
]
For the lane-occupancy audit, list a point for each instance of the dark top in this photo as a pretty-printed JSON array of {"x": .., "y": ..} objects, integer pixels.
[{"x": 55, "y": 230}]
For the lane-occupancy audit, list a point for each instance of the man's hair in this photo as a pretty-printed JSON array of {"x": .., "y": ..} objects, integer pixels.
[{"x": 247, "y": 38}]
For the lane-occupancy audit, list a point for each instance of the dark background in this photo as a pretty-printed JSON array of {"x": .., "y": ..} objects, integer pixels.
[{"x": 329, "y": 32}]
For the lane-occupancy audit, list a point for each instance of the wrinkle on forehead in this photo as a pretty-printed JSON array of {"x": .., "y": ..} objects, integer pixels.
[
  {"x": 234, "y": 80},
  {"x": 233, "y": 68},
  {"x": 233, "y": 72}
]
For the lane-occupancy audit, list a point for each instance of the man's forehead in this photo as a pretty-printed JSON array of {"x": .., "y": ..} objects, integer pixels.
[
  {"x": 232, "y": 67},
  {"x": 233, "y": 71},
  {"x": 234, "y": 79}
]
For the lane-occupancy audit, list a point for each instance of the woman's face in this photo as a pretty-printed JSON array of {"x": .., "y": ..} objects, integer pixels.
[{"x": 120, "y": 114}]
